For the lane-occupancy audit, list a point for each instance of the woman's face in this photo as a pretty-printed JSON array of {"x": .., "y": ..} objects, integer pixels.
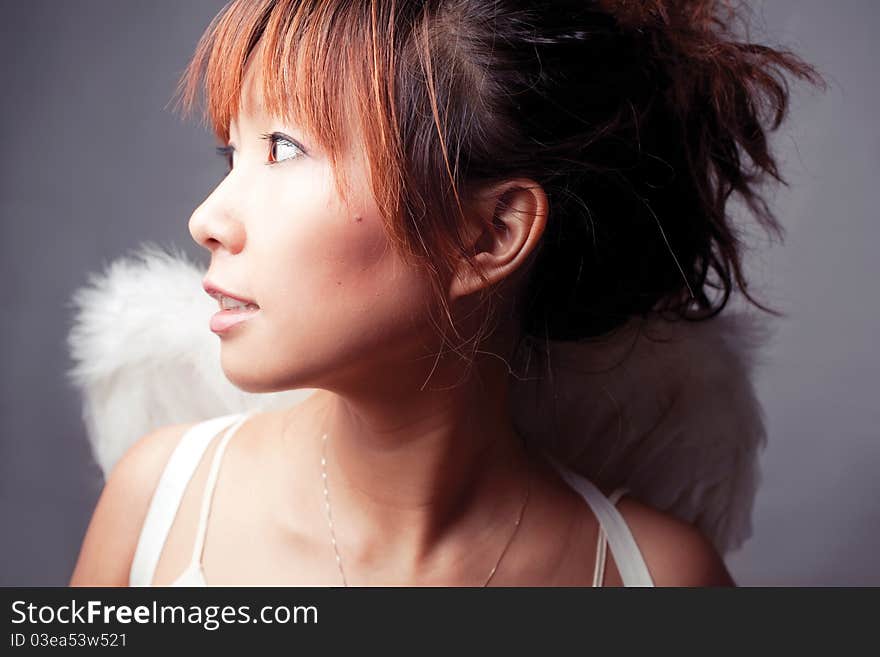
[{"x": 335, "y": 301}]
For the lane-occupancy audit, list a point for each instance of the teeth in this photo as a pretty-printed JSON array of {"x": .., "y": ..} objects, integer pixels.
[{"x": 227, "y": 303}]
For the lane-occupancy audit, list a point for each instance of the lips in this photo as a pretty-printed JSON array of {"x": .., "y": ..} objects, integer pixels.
[
  {"x": 218, "y": 293},
  {"x": 224, "y": 320}
]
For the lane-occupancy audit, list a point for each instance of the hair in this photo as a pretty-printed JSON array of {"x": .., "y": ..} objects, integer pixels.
[{"x": 639, "y": 119}]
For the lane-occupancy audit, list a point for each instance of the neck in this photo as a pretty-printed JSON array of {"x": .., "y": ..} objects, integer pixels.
[{"x": 423, "y": 478}]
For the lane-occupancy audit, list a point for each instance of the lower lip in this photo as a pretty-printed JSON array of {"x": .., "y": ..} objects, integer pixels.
[{"x": 226, "y": 319}]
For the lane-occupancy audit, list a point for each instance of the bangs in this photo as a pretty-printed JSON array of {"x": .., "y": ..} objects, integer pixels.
[{"x": 310, "y": 58}]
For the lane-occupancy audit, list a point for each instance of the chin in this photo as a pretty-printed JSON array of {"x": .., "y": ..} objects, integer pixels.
[
  {"x": 249, "y": 384},
  {"x": 247, "y": 375},
  {"x": 250, "y": 377}
]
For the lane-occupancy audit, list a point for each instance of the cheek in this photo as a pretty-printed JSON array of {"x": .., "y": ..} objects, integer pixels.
[
  {"x": 352, "y": 262},
  {"x": 339, "y": 280}
]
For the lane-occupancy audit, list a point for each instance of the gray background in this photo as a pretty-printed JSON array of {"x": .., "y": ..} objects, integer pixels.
[{"x": 93, "y": 164}]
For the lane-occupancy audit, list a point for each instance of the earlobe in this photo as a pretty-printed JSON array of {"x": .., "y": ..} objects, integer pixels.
[{"x": 508, "y": 223}]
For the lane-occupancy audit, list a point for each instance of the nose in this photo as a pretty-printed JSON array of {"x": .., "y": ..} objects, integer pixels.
[{"x": 214, "y": 225}]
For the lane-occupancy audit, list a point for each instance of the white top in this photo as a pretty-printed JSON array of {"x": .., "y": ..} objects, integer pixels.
[{"x": 613, "y": 530}]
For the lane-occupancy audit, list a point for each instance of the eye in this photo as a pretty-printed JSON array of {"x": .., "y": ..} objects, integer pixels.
[
  {"x": 282, "y": 148},
  {"x": 226, "y": 153}
]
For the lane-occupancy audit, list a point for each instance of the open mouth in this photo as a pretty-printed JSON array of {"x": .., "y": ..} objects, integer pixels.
[{"x": 235, "y": 305}]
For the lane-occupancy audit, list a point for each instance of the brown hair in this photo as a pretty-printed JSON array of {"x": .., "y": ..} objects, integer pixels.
[{"x": 638, "y": 119}]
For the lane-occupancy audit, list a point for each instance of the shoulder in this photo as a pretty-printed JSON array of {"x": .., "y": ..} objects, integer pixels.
[
  {"x": 139, "y": 469},
  {"x": 113, "y": 531},
  {"x": 675, "y": 552}
]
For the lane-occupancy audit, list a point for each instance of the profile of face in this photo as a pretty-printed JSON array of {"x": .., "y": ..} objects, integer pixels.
[{"x": 336, "y": 303}]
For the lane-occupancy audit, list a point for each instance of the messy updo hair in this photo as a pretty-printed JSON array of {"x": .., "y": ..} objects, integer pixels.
[{"x": 639, "y": 119}]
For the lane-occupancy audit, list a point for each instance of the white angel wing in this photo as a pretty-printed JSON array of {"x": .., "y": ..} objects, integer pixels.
[
  {"x": 676, "y": 421},
  {"x": 667, "y": 409}
]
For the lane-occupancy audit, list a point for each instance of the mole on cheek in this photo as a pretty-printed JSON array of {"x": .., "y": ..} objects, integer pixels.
[{"x": 358, "y": 219}]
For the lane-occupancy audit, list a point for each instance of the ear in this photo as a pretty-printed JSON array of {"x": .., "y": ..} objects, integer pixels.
[{"x": 506, "y": 223}]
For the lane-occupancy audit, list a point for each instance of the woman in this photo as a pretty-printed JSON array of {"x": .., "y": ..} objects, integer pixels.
[{"x": 418, "y": 193}]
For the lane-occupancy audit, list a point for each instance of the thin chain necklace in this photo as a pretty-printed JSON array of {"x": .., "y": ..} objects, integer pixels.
[{"x": 333, "y": 534}]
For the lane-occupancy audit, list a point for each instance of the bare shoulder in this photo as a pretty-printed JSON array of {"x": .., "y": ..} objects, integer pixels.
[
  {"x": 675, "y": 552},
  {"x": 113, "y": 531}
]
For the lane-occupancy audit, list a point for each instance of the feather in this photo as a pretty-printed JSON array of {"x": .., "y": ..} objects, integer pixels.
[{"x": 666, "y": 408}]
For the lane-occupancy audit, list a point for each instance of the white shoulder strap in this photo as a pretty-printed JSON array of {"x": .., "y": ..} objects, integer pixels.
[
  {"x": 168, "y": 494},
  {"x": 627, "y": 556},
  {"x": 602, "y": 540}
]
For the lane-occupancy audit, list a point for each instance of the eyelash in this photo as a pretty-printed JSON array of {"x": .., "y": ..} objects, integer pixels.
[{"x": 273, "y": 138}]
